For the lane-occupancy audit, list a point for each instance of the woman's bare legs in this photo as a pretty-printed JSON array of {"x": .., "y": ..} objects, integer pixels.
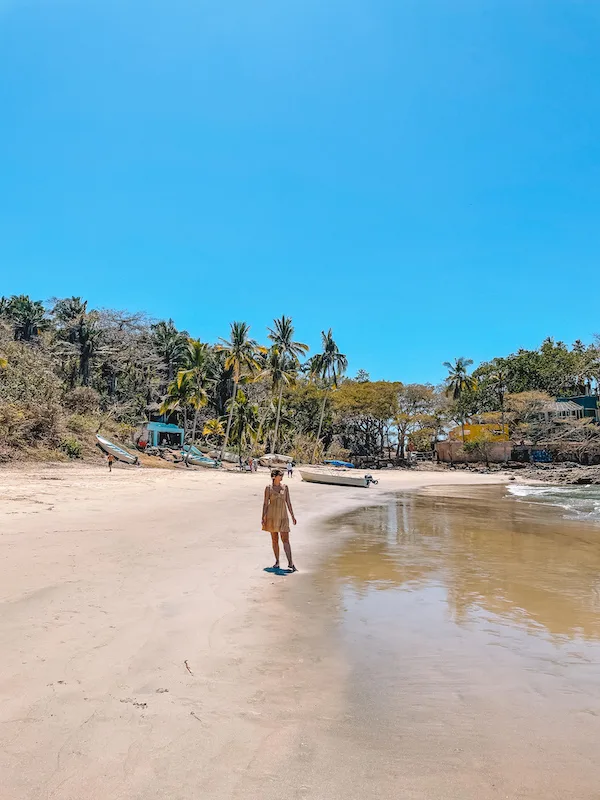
[
  {"x": 275, "y": 543},
  {"x": 285, "y": 539}
]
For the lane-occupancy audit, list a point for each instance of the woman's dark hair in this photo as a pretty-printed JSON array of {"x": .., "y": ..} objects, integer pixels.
[{"x": 276, "y": 473}]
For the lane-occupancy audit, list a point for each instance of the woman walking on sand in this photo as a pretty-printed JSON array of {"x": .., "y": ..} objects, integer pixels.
[{"x": 275, "y": 517}]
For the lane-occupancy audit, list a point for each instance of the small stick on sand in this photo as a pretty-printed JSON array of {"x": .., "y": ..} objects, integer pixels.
[{"x": 187, "y": 666}]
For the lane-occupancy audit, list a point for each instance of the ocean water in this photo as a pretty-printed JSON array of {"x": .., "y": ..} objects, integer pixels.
[{"x": 578, "y": 502}]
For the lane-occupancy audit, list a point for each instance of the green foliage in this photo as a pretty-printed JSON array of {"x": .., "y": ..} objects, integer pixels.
[
  {"x": 27, "y": 317},
  {"x": 244, "y": 421},
  {"x": 363, "y": 414},
  {"x": 68, "y": 370},
  {"x": 71, "y": 446},
  {"x": 243, "y": 358},
  {"x": 81, "y": 424},
  {"x": 481, "y": 445},
  {"x": 552, "y": 368},
  {"x": 459, "y": 383},
  {"x": 303, "y": 403},
  {"x": 171, "y": 346}
]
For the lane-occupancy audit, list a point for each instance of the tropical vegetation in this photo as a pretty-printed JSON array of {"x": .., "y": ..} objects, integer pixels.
[{"x": 68, "y": 370}]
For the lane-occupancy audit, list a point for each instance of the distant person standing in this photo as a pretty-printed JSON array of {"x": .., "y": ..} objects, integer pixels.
[
  {"x": 275, "y": 517},
  {"x": 110, "y": 458},
  {"x": 290, "y": 469}
]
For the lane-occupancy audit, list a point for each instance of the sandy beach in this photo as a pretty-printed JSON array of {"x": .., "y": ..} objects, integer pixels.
[{"x": 146, "y": 652}]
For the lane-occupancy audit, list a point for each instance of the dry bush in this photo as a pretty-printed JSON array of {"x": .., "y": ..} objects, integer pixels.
[
  {"x": 23, "y": 425},
  {"x": 28, "y": 376},
  {"x": 337, "y": 453},
  {"x": 303, "y": 448},
  {"x": 82, "y": 400}
]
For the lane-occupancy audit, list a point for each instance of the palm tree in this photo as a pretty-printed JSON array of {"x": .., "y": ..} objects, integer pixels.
[
  {"x": 80, "y": 328},
  {"x": 213, "y": 428},
  {"x": 193, "y": 378},
  {"x": 241, "y": 357},
  {"x": 285, "y": 361},
  {"x": 170, "y": 345},
  {"x": 90, "y": 337},
  {"x": 245, "y": 419},
  {"x": 328, "y": 366},
  {"x": 178, "y": 399},
  {"x": 69, "y": 310},
  {"x": 459, "y": 383},
  {"x": 27, "y": 316},
  {"x": 282, "y": 371}
]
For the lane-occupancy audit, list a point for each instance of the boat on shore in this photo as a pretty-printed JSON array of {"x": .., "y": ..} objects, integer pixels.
[
  {"x": 231, "y": 458},
  {"x": 337, "y": 479},
  {"x": 197, "y": 458},
  {"x": 274, "y": 460},
  {"x": 110, "y": 448},
  {"x": 346, "y": 464}
]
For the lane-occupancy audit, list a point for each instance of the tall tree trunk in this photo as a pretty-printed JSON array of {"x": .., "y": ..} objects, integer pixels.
[
  {"x": 194, "y": 423},
  {"x": 84, "y": 369},
  {"x": 320, "y": 426},
  {"x": 261, "y": 423},
  {"x": 277, "y": 418},
  {"x": 229, "y": 419}
]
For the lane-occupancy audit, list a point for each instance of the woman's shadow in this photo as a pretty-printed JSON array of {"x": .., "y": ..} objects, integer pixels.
[{"x": 278, "y": 571}]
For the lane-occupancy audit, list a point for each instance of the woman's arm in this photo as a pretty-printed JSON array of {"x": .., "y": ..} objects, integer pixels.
[
  {"x": 265, "y": 504},
  {"x": 289, "y": 504}
]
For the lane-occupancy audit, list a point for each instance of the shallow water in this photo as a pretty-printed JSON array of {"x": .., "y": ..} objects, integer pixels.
[
  {"x": 470, "y": 626},
  {"x": 577, "y": 502}
]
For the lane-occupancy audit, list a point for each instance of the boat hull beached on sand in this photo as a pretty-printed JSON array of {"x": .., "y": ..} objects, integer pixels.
[
  {"x": 110, "y": 448},
  {"x": 274, "y": 460},
  {"x": 337, "y": 479},
  {"x": 231, "y": 458},
  {"x": 197, "y": 457}
]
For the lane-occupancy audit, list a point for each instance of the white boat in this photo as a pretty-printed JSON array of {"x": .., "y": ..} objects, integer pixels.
[
  {"x": 197, "y": 458},
  {"x": 116, "y": 450},
  {"x": 337, "y": 479},
  {"x": 231, "y": 458},
  {"x": 274, "y": 460}
]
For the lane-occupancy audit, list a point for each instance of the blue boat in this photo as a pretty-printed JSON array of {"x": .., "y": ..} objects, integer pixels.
[
  {"x": 197, "y": 457},
  {"x": 340, "y": 464}
]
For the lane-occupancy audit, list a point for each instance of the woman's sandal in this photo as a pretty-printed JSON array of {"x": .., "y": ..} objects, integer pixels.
[{"x": 292, "y": 568}]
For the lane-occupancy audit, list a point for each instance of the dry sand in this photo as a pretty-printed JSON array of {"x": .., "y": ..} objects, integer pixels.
[{"x": 145, "y": 651}]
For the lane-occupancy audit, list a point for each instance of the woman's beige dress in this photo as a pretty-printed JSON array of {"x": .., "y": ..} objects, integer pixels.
[{"x": 276, "y": 517}]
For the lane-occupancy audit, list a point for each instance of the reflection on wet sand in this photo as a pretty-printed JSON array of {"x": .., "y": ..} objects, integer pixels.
[
  {"x": 517, "y": 561},
  {"x": 470, "y": 634}
]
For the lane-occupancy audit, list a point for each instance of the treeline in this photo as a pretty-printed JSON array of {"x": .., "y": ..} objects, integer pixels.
[{"x": 67, "y": 370}]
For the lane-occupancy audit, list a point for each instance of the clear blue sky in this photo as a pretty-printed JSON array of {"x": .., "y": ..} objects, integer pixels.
[{"x": 421, "y": 175}]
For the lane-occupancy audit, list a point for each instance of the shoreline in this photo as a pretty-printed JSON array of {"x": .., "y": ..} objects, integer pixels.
[{"x": 113, "y": 582}]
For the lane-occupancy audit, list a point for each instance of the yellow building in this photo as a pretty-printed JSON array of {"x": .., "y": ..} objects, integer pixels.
[{"x": 494, "y": 430}]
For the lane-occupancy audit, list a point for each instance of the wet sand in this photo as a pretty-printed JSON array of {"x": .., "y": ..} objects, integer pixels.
[
  {"x": 470, "y": 629},
  {"x": 414, "y": 656}
]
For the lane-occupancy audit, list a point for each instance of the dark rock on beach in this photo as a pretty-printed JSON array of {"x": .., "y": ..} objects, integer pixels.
[{"x": 563, "y": 473}]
